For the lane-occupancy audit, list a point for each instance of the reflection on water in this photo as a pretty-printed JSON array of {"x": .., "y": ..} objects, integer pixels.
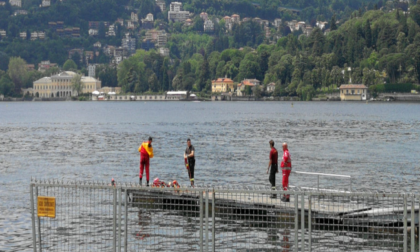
[{"x": 378, "y": 144}]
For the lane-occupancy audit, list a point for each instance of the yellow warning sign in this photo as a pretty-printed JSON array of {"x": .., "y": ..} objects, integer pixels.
[{"x": 46, "y": 206}]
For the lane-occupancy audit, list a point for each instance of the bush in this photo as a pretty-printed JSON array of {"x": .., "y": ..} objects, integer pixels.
[{"x": 390, "y": 88}]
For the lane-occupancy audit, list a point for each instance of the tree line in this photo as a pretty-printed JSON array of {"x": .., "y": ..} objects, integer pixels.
[{"x": 370, "y": 48}]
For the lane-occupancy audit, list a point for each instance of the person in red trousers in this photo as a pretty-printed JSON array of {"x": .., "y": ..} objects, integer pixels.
[
  {"x": 146, "y": 153},
  {"x": 286, "y": 168}
]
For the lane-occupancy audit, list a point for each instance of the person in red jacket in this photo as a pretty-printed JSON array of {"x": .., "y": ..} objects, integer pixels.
[
  {"x": 146, "y": 152},
  {"x": 286, "y": 168}
]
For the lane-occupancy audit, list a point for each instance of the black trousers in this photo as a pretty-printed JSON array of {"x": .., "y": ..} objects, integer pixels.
[
  {"x": 191, "y": 164},
  {"x": 273, "y": 171}
]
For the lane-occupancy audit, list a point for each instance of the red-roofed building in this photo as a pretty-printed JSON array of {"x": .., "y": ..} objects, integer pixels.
[
  {"x": 222, "y": 85},
  {"x": 252, "y": 83}
]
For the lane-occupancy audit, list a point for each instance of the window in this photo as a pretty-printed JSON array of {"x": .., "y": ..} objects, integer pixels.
[{"x": 352, "y": 91}]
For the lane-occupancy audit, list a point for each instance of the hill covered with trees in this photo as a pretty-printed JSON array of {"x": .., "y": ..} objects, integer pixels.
[{"x": 369, "y": 42}]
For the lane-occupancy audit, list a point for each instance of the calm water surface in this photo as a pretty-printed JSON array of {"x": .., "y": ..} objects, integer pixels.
[{"x": 377, "y": 143}]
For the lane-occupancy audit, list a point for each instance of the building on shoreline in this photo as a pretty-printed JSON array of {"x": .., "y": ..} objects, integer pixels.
[
  {"x": 252, "y": 83},
  {"x": 222, "y": 85},
  {"x": 353, "y": 92},
  {"x": 108, "y": 90},
  {"x": 60, "y": 85}
]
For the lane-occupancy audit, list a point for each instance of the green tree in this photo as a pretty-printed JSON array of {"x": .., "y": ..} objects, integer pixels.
[
  {"x": 204, "y": 74},
  {"x": 415, "y": 13},
  {"x": 278, "y": 89},
  {"x": 77, "y": 84},
  {"x": 198, "y": 24},
  {"x": 6, "y": 86},
  {"x": 17, "y": 72},
  {"x": 69, "y": 65},
  {"x": 4, "y": 61},
  {"x": 257, "y": 91},
  {"x": 333, "y": 25},
  {"x": 153, "y": 83},
  {"x": 368, "y": 34}
]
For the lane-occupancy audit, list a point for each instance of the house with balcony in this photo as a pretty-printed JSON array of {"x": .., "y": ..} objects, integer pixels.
[
  {"x": 222, "y": 85},
  {"x": 353, "y": 92}
]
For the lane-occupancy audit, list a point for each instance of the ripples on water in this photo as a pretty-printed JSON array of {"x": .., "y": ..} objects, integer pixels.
[{"x": 377, "y": 143}]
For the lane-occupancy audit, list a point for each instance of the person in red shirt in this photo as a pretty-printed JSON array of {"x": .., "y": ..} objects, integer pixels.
[
  {"x": 286, "y": 168},
  {"x": 146, "y": 152},
  {"x": 274, "y": 167}
]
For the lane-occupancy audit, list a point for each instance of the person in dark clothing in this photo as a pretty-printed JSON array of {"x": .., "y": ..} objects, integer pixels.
[
  {"x": 273, "y": 164},
  {"x": 190, "y": 156}
]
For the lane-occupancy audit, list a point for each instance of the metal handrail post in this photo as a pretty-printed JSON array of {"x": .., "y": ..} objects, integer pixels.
[
  {"x": 114, "y": 220},
  {"x": 413, "y": 224},
  {"x": 318, "y": 182},
  {"x": 405, "y": 223},
  {"x": 126, "y": 222},
  {"x": 31, "y": 189},
  {"x": 302, "y": 213},
  {"x": 309, "y": 223},
  {"x": 296, "y": 221},
  {"x": 207, "y": 221},
  {"x": 119, "y": 218},
  {"x": 213, "y": 217},
  {"x": 201, "y": 220},
  {"x": 39, "y": 222}
]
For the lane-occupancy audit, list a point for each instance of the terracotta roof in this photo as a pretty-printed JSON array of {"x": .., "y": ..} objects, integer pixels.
[
  {"x": 271, "y": 84},
  {"x": 353, "y": 86},
  {"x": 222, "y": 80},
  {"x": 235, "y": 15},
  {"x": 247, "y": 83}
]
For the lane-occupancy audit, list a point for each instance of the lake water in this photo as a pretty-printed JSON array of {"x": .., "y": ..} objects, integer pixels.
[{"x": 376, "y": 143}]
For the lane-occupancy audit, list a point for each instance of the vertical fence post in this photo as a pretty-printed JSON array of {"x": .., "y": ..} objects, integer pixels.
[
  {"x": 405, "y": 223},
  {"x": 213, "y": 217},
  {"x": 207, "y": 221},
  {"x": 413, "y": 224},
  {"x": 201, "y": 220},
  {"x": 310, "y": 222},
  {"x": 31, "y": 189},
  {"x": 126, "y": 221},
  {"x": 296, "y": 221},
  {"x": 318, "y": 183},
  {"x": 39, "y": 222},
  {"x": 114, "y": 220},
  {"x": 119, "y": 218},
  {"x": 302, "y": 226}
]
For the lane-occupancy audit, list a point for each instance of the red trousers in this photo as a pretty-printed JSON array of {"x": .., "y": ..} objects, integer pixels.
[
  {"x": 144, "y": 163},
  {"x": 286, "y": 174}
]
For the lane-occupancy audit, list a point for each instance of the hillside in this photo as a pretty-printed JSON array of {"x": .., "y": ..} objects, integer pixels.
[{"x": 369, "y": 42}]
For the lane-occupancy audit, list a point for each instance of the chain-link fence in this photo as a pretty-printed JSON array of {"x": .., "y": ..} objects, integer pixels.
[{"x": 126, "y": 217}]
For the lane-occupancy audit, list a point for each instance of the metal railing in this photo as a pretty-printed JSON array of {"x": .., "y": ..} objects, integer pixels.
[
  {"x": 95, "y": 216},
  {"x": 318, "y": 175}
]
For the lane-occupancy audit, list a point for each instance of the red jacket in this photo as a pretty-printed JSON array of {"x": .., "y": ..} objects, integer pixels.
[
  {"x": 286, "y": 162},
  {"x": 145, "y": 149}
]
